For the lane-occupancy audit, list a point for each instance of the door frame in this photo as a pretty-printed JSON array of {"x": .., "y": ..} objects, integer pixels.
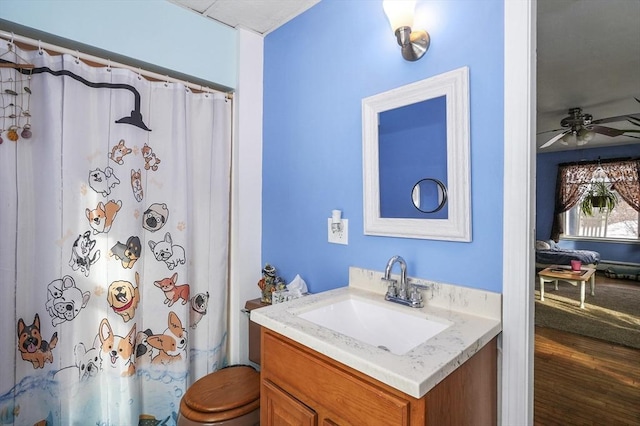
[{"x": 519, "y": 212}]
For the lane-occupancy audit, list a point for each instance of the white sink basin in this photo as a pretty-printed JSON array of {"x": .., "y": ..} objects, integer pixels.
[{"x": 385, "y": 327}]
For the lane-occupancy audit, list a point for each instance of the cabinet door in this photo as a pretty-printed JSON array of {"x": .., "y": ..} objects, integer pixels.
[
  {"x": 329, "y": 387},
  {"x": 278, "y": 408}
]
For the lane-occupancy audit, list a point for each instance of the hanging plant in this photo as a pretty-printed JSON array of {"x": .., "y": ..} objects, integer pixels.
[{"x": 600, "y": 195}]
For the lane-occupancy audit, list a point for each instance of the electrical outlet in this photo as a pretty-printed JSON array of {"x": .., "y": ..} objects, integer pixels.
[{"x": 341, "y": 236}]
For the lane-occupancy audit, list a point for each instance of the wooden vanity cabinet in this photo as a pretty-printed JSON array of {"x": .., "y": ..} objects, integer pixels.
[{"x": 300, "y": 386}]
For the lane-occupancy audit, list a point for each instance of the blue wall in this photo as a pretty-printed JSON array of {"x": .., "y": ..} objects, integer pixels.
[
  {"x": 318, "y": 67},
  {"x": 547, "y": 170},
  {"x": 151, "y": 31}
]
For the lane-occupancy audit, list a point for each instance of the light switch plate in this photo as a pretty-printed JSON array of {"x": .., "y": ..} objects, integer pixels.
[{"x": 339, "y": 237}]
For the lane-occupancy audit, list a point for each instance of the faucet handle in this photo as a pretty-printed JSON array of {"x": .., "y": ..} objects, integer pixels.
[
  {"x": 392, "y": 290},
  {"x": 416, "y": 296},
  {"x": 417, "y": 284}
]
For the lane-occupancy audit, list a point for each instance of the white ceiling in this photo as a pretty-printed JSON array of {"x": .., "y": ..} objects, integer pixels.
[
  {"x": 588, "y": 57},
  {"x": 588, "y": 54},
  {"x": 261, "y": 16}
]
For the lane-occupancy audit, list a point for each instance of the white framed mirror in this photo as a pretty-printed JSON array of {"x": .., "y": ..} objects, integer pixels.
[{"x": 413, "y": 133}]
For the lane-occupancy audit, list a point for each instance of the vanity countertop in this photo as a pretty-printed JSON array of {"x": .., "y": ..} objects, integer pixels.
[{"x": 475, "y": 316}]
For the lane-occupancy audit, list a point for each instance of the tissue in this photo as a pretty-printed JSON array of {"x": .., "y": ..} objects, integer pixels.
[{"x": 296, "y": 288}]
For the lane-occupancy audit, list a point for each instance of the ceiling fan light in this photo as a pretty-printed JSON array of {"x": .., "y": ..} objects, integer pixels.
[
  {"x": 583, "y": 136},
  {"x": 567, "y": 139}
]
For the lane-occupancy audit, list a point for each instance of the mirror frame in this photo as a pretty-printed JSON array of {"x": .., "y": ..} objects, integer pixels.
[{"x": 457, "y": 227}]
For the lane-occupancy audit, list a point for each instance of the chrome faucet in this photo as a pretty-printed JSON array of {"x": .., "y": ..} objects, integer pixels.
[
  {"x": 399, "y": 294},
  {"x": 402, "y": 289}
]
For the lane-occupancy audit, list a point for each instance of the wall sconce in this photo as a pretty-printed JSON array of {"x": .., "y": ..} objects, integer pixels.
[
  {"x": 414, "y": 43},
  {"x": 336, "y": 220}
]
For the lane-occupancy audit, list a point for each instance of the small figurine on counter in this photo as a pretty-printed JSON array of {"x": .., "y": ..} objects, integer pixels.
[{"x": 270, "y": 283}]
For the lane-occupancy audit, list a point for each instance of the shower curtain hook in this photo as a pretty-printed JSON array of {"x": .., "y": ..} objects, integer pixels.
[
  {"x": 10, "y": 44},
  {"x": 139, "y": 74},
  {"x": 40, "y": 52},
  {"x": 77, "y": 57},
  {"x": 108, "y": 65},
  {"x": 166, "y": 83}
]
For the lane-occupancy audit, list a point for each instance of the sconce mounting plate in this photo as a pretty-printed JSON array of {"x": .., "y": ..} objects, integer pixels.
[{"x": 414, "y": 44}]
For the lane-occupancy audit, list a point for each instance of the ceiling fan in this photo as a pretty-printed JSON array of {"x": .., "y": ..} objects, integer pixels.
[{"x": 580, "y": 128}]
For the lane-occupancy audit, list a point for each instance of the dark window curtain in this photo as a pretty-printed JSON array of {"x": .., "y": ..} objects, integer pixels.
[
  {"x": 624, "y": 177},
  {"x": 571, "y": 183},
  {"x": 574, "y": 179}
]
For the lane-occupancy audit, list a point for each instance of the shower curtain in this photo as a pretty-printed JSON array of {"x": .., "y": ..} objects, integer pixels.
[{"x": 114, "y": 219}]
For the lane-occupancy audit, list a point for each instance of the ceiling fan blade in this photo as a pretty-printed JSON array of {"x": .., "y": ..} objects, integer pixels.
[
  {"x": 554, "y": 139},
  {"x": 549, "y": 131},
  {"x": 616, "y": 118},
  {"x": 634, "y": 121},
  {"x": 607, "y": 131}
]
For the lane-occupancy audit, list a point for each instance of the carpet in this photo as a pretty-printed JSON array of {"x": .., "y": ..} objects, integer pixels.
[{"x": 613, "y": 314}]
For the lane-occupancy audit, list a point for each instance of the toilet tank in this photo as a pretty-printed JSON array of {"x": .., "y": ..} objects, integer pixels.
[{"x": 254, "y": 330}]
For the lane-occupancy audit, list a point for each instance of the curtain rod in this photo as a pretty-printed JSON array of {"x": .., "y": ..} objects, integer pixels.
[
  {"x": 599, "y": 161},
  {"x": 38, "y": 44}
]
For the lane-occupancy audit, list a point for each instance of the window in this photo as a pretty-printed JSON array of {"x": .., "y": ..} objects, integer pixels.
[
  {"x": 621, "y": 223},
  {"x": 575, "y": 180}
]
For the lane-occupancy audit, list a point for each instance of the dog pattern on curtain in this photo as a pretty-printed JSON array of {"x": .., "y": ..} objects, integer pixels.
[{"x": 112, "y": 309}]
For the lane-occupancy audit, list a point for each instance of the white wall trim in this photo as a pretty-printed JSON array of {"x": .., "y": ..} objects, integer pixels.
[
  {"x": 519, "y": 212},
  {"x": 246, "y": 193}
]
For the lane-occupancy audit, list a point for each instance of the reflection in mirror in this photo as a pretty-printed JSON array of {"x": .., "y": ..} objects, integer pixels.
[
  {"x": 429, "y": 195},
  {"x": 417, "y": 130},
  {"x": 412, "y": 143}
]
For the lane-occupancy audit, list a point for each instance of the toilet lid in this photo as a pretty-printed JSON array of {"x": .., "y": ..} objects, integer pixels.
[{"x": 227, "y": 393}]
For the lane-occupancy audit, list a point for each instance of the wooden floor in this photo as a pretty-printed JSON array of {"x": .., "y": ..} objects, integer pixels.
[{"x": 584, "y": 381}]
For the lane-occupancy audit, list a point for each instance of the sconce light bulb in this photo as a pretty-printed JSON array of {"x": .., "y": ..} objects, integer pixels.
[{"x": 399, "y": 13}]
